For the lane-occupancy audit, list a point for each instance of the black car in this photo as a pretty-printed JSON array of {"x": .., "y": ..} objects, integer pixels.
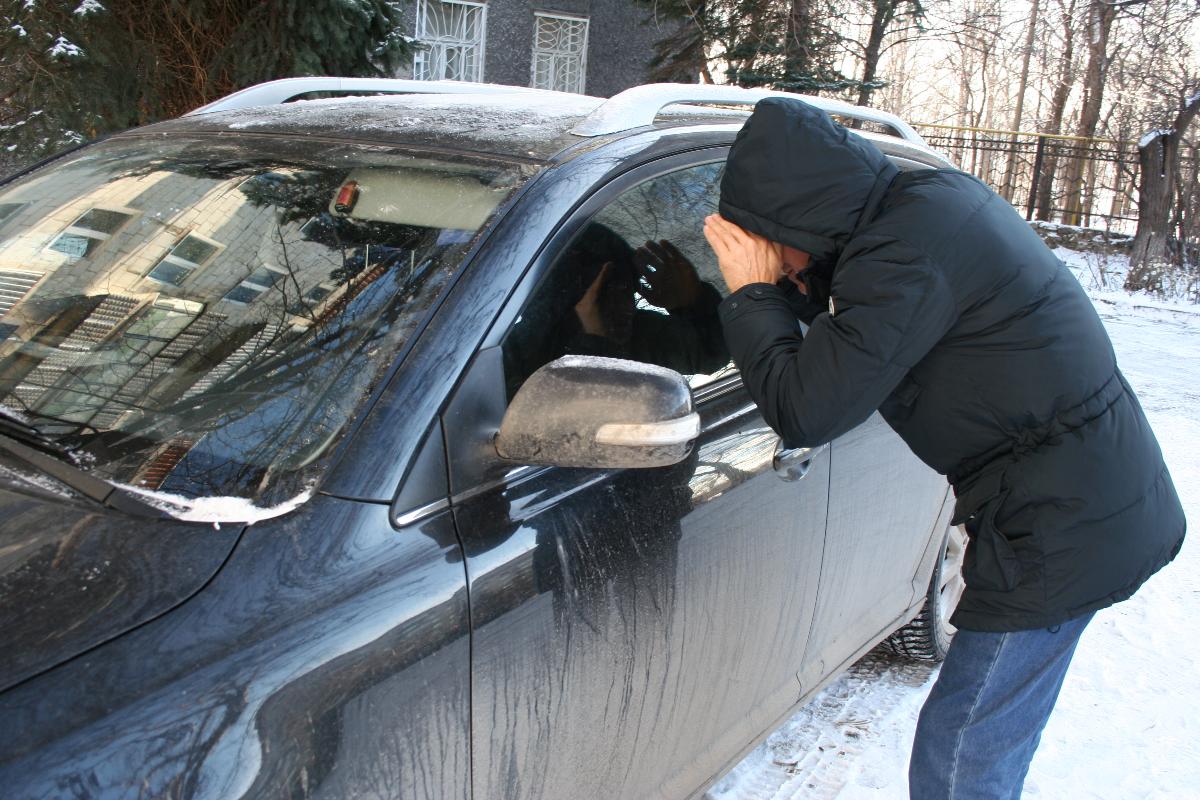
[{"x": 389, "y": 447}]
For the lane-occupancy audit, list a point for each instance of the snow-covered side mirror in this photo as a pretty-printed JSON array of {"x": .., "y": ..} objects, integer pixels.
[{"x": 582, "y": 411}]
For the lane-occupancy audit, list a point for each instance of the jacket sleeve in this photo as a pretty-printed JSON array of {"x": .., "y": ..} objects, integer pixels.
[
  {"x": 889, "y": 307},
  {"x": 802, "y": 305}
]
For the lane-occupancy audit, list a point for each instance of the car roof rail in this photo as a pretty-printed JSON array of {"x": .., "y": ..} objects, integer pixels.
[
  {"x": 639, "y": 106},
  {"x": 280, "y": 91}
]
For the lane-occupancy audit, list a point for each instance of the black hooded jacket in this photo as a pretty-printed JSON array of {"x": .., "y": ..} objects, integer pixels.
[{"x": 936, "y": 304}]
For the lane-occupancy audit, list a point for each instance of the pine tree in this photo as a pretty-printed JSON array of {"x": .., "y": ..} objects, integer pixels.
[
  {"x": 40, "y": 110},
  {"x": 785, "y": 44},
  {"x": 74, "y": 69}
]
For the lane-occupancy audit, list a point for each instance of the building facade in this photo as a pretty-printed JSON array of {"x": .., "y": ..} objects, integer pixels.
[{"x": 596, "y": 47}]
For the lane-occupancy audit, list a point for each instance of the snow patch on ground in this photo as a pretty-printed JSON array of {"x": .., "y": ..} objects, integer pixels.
[
  {"x": 1103, "y": 277},
  {"x": 855, "y": 733},
  {"x": 1126, "y": 724}
]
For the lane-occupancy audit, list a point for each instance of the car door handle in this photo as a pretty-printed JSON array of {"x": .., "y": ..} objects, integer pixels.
[{"x": 793, "y": 463}]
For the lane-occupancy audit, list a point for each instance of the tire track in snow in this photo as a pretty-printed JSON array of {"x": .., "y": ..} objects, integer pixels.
[{"x": 818, "y": 753}]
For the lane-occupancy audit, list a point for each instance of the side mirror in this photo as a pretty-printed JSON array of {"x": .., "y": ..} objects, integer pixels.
[{"x": 583, "y": 411}]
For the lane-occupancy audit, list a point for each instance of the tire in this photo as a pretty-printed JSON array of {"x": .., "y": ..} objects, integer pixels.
[{"x": 928, "y": 636}]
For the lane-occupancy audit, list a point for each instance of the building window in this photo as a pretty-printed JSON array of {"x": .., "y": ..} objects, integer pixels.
[
  {"x": 93, "y": 228},
  {"x": 183, "y": 259},
  {"x": 559, "y": 52},
  {"x": 255, "y": 284},
  {"x": 311, "y": 299},
  {"x": 452, "y": 34}
]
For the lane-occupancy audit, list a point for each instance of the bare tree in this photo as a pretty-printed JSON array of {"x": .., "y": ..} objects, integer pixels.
[
  {"x": 1100, "y": 17},
  {"x": 1158, "y": 157},
  {"x": 1058, "y": 108},
  {"x": 1022, "y": 86},
  {"x": 887, "y": 17}
]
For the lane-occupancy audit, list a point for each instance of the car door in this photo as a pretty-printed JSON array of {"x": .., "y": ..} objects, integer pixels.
[
  {"x": 632, "y": 630},
  {"x": 883, "y": 507}
]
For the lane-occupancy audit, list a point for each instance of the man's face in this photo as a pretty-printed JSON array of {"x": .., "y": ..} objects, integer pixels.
[{"x": 794, "y": 262}]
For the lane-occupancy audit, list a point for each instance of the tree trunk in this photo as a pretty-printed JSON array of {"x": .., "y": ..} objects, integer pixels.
[
  {"x": 1100, "y": 19},
  {"x": 1187, "y": 205},
  {"x": 1022, "y": 85},
  {"x": 799, "y": 35},
  {"x": 885, "y": 13},
  {"x": 1158, "y": 157},
  {"x": 1058, "y": 106},
  {"x": 1150, "y": 260}
]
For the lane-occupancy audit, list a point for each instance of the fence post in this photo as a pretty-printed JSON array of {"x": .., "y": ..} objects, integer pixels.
[{"x": 1038, "y": 158}]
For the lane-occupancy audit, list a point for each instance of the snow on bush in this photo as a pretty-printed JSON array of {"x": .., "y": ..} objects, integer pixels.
[{"x": 64, "y": 49}]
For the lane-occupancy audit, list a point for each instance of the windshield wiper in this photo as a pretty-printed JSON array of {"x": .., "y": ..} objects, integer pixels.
[
  {"x": 17, "y": 427},
  {"x": 86, "y": 484}
]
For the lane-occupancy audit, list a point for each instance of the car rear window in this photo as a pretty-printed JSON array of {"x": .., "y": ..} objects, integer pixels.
[{"x": 204, "y": 316}]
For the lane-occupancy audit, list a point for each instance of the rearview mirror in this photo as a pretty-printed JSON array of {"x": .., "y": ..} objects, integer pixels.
[{"x": 584, "y": 411}]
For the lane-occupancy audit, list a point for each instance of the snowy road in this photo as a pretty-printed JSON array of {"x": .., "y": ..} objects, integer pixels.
[{"x": 1127, "y": 723}]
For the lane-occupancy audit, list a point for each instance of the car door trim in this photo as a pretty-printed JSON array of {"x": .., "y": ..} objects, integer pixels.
[{"x": 419, "y": 513}]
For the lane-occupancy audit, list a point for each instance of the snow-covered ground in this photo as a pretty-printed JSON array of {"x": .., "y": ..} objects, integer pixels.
[{"x": 1127, "y": 724}]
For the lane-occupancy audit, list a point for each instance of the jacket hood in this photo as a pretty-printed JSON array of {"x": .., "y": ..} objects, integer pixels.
[{"x": 797, "y": 177}]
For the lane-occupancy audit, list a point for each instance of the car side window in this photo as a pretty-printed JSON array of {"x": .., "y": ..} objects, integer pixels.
[{"x": 637, "y": 282}]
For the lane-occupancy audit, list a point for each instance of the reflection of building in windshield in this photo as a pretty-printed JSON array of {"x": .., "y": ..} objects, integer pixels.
[
  {"x": 126, "y": 291},
  {"x": 154, "y": 249}
]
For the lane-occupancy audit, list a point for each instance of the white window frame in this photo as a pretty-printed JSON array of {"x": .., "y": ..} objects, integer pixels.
[
  {"x": 420, "y": 59},
  {"x": 247, "y": 283},
  {"x": 587, "y": 29},
  {"x": 190, "y": 266},
  {"x": 74, "y": 229}
]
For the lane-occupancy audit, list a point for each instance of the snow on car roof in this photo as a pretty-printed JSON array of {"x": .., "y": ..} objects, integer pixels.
[{"x": 528, "y": 124}]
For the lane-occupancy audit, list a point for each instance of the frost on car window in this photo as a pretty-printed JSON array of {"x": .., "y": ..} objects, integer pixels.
[
  {"x": 483, "y": 123},
  {"x": 203, "y": 316}
]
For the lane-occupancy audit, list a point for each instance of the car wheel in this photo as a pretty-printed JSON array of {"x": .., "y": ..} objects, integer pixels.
[{"x": 928, "y": 636}]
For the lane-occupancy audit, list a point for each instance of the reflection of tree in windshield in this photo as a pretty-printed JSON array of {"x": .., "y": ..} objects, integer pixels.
[{"x": 235, "y": 311}]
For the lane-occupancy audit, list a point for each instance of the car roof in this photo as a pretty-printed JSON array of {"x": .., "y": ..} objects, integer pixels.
[
  {"x": 526, "y": 125},
  {"x": 511, "y": 122}
]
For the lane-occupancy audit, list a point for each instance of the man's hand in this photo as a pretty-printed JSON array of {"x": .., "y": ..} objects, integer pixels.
[
  {"x": 667, "y": 279},
  {"x": 744, "y": 257},
  {"x": 588, "y": 307}
]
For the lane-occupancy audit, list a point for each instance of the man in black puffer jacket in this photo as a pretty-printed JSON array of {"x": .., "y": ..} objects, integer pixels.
[{"x": 930, "y": 300}]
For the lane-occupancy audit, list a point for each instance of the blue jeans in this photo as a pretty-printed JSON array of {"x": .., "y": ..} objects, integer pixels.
[{"x": 984, "y": 716}]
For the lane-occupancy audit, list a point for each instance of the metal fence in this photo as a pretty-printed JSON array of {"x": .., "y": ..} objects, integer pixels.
[{"x": 1068, "y": 179}]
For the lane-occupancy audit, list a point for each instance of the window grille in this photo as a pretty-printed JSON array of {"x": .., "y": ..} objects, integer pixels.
[
  {"x": 14, "y": 285},
  {"x": 559, "y": 53},
  {"x": 452, "y": 34}
]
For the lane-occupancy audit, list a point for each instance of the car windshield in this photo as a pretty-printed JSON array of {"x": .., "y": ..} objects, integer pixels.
[{"x": 203, "y": 317}]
